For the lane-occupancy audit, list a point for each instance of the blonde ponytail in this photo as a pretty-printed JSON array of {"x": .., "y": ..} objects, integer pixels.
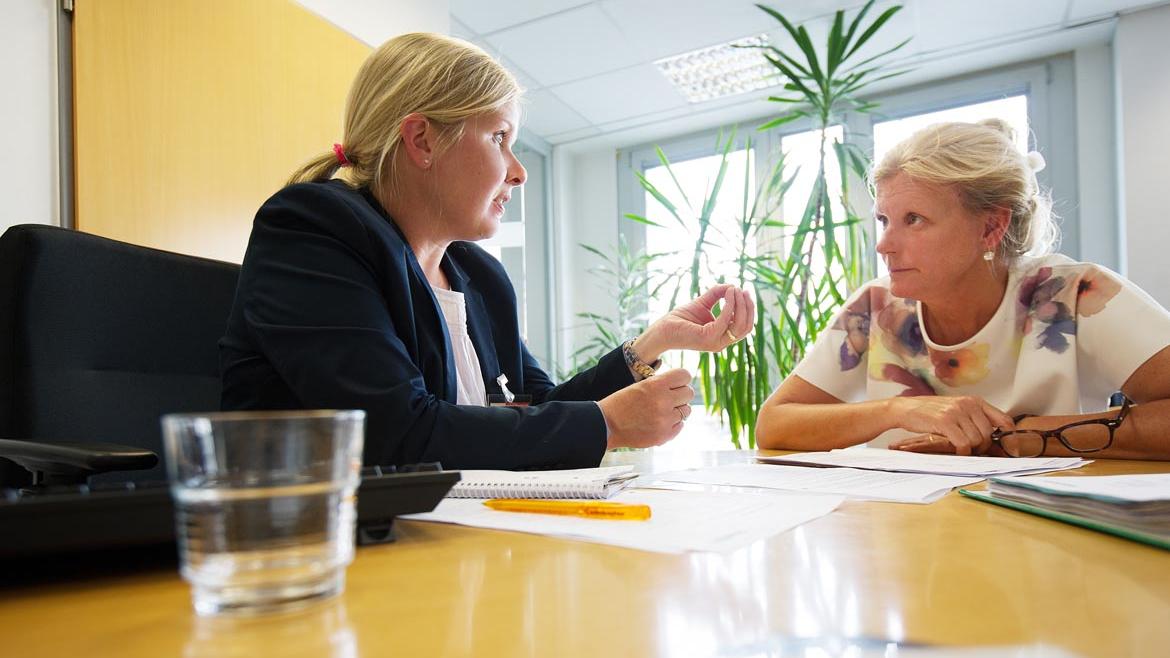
[
  {"x": 320, "y": 168},
  {"x": 445, "y": 79}
]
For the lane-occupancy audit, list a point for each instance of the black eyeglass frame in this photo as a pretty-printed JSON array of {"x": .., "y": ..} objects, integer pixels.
[{"x": 1111, "y": 423}]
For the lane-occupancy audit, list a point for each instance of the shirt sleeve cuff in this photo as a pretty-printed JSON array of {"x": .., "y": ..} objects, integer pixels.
[{"x": 607, "y": 430}]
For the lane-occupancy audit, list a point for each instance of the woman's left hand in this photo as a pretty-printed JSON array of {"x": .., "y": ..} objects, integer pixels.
[
  {"x": 693, "y": 326},
  {"x": 932, "y": 444}
]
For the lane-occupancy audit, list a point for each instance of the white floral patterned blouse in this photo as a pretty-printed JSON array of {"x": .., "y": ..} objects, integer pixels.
[{"x": 1065, "y": 337}]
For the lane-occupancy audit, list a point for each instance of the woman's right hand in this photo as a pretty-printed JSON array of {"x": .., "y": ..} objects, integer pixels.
[
  {"x": 965, "y": 422},
  {"x": 650, "y": 412}
]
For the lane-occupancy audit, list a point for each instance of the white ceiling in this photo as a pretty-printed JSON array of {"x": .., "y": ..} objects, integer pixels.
[{"x": 589, "y": 66}]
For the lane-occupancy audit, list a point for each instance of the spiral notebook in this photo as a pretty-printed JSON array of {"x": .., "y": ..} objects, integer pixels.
[{"x": 580, "y": 483}]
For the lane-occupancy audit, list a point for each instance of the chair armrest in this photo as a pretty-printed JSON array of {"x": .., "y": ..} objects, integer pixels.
[{"x": 73, "y": 463}]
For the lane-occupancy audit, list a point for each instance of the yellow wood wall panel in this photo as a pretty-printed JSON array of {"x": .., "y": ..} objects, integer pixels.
[{"x": 189, "y": 113}]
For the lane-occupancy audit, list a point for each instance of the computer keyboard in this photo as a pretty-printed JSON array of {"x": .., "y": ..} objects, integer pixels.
[{"x": 70, "y": 518}]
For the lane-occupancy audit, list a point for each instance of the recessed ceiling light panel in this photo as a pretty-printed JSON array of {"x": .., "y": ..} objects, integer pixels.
[{"x": 727, "y": 69}]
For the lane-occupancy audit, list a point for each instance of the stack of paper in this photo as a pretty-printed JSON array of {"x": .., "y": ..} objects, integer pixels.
[
  {"x": 681, "y": 520},
  {"x": 854, "y": 483},
  {"x": 913, "y": 462},
  {"x": 1132, "y": 506}
]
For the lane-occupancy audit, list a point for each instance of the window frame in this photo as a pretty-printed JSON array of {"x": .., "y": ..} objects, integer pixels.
[{"x": 535, "y": 237}]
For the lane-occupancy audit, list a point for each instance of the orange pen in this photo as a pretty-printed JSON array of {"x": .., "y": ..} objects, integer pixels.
[{"x": 598, "y": 510}]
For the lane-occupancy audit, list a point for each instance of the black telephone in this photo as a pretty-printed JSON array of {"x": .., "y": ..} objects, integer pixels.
[{"x": 61, "y": 512}]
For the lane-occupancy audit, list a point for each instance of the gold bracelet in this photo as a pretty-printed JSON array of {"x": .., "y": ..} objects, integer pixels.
[{"x": 636, "y": 363}]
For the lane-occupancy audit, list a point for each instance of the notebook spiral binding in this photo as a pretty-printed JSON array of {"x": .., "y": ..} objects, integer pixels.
[{"x": 529, "y": 490}]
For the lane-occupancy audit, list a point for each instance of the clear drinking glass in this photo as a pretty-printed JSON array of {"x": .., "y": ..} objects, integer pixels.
[{"x": 264, "y": 505}]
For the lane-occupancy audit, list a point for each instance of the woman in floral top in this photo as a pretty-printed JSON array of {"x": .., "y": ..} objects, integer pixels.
[{"x": 979, "y": 330}]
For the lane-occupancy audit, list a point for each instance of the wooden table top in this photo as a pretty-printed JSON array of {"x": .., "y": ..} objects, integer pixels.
[{"x": 955, "y": 572}]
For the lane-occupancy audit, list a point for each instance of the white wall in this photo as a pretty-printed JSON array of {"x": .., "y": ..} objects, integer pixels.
[
  {"x": 1141, "y": 51},
  {"x": 29, "y": 140},
  {"x": 1100, "y": 236},
  {"x": 585, "y": 211},
  {"x": 28, "y": 115}
]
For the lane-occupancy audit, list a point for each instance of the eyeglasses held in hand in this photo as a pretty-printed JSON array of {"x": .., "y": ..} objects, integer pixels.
[{"x": 1082, "y": 436}]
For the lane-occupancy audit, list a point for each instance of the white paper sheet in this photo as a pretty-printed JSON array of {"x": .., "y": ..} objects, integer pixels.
[
  {"x": 913, "y": 462},
  {"x": 854, "y": 483},
  {"x": 682, "y": 521}
]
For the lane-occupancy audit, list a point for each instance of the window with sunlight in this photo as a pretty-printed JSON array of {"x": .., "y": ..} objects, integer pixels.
[
  {"x": 674, "y": 244},
  {"x": 802, "y": 155}
]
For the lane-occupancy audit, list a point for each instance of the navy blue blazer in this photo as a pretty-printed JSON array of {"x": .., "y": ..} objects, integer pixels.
[{"x": 333, "y": 311}]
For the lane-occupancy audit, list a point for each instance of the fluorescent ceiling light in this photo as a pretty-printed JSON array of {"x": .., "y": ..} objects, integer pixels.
[{"x": 730, "y": 68}]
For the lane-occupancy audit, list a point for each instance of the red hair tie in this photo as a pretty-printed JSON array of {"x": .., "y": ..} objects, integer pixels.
[{"x": 341, "y": 159}]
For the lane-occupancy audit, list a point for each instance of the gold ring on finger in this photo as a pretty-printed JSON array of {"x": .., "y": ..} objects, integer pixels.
[{"x": 731, "y": 336}]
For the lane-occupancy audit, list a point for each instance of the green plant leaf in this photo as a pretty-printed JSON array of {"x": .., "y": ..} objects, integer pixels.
[
  {"x": 887, "y": 76},
  {"x": 836, "y": 44},
  {"x": 713, "y": 196},
  {"x": 873, "y": 28},
  {"x": 791, "y": 61},
  {"x": 855, "y": 23},
  {"x": 782, "y": 120},
  {"x": 779, "y": 17},
  {"x": 659, "y": 196},
  {"x": 810, "y": 53},
  {"x": 642, "y": 220},
  {"x": 597, "y": 252},
  {"x": 670, "y": 170},
  {"x": 867, "y": 61},
  {"x": 795, "y": 83}
]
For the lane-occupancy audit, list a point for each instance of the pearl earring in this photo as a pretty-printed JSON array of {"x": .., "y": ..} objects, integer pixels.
[{"x": 988, "y": 255}]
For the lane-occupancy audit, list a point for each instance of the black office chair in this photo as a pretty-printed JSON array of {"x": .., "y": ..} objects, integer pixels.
[{"x": 98, "y": 338}]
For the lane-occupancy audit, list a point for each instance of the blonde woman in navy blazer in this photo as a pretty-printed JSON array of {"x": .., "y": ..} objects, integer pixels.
[{"x": 337, "y": 301}]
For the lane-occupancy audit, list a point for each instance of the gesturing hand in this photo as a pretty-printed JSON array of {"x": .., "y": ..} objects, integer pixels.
[
  {"x": 957, "y": 425},
  {"x": 650, "y": 412},
  {"x": 692, "y": 326}
]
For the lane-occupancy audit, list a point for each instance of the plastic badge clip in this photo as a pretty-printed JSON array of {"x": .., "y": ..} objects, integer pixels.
[{"x": 502, "y": 380}]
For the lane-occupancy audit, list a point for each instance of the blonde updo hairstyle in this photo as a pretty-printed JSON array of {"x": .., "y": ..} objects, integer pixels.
[
  {"x": 445, "y": 79},
  {"x": 981, "y": 162}
]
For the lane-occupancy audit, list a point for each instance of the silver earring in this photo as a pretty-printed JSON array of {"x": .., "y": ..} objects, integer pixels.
[{"x": 988, "y": 255}]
